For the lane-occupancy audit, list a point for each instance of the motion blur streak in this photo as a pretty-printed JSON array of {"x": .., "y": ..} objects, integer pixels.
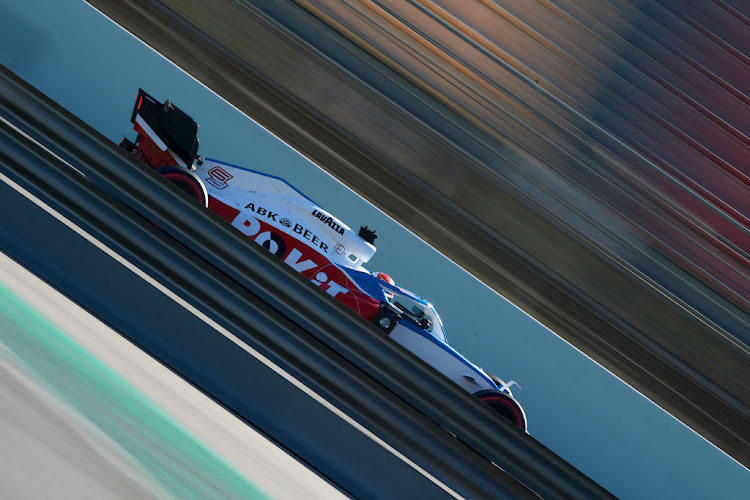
[
  {"x": 71, "y": 409},
  {"x": 194, "y": 427},
  {"x": 599, "y": 147}
]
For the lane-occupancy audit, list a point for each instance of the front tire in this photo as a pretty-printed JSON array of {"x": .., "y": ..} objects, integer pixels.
[
  {"x": 186, "y": 181},
  {"x": 505, "y": 405}
]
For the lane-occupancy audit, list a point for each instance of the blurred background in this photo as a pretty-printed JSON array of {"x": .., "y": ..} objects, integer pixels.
[{"x": 581, "y": 163}]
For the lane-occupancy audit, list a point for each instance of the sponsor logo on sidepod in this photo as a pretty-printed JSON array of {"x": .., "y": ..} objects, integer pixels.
[
  {"x": 328, "y": 221},
  {"x": 298, "y": 228},
  {"x": 218, "y": 177},
  {"x": 309, "y": 262},
  {"x": 297, "y": 257}
]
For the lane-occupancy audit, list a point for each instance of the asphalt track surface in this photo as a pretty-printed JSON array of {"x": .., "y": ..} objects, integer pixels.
[{"x": 675, "y": 331}]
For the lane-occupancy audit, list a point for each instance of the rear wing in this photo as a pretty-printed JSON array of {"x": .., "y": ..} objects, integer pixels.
[{"x": 167, "y": 123}]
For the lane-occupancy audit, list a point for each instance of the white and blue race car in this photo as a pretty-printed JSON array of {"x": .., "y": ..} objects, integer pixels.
[{"x": 310, "y": 240}]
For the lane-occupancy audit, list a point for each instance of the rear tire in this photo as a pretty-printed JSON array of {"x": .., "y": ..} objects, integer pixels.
[
  {"x": 187, "y": 182},
  {"x": 505, "y": 405}
]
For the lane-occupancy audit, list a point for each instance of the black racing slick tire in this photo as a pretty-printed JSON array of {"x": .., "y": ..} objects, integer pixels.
[
  {"x": 186, "y": 181},
  {"x": 507, "y": 406}
]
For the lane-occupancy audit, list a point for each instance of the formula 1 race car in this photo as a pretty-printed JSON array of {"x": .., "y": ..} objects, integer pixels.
[{"x": 310, "y": 240}]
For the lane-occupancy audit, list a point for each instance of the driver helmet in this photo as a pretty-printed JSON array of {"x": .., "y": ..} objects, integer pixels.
[{"x": 384, "y": 277}]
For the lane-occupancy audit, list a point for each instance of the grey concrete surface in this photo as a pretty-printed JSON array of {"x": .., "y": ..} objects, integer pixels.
[
  {"x": 50, "y": 451},
  {"x": 52, "y": 447}
]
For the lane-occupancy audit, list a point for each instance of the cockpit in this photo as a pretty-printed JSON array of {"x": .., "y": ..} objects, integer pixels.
[{"x": 421, "y": 312}]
